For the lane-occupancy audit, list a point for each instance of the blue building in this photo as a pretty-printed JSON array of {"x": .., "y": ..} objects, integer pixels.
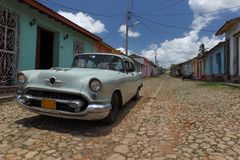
[
  {"x": 214, "y": 68},
  {"x": 33, "y": 36},
  {"x": 187, "y": 68},
  {"x": 231, "y": 30}
]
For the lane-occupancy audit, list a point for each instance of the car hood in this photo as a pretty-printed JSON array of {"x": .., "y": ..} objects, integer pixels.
[{"x": 67, "y": 79}]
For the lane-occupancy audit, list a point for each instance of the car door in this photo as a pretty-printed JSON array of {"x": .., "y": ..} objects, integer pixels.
[
  {"x": 128, "y": 80},
  {"x": 135, "y": 79},
  {"x": 131, "y": 76}
]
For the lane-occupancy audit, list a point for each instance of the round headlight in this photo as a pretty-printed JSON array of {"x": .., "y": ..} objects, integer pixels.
[
  {"x": 95, "y": 85},
  {"x": 21, "y": 78}
]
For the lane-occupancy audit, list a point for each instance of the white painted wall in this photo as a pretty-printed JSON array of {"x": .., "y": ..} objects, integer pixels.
[
  {"x": 233, "y": 46},
  {"x": 231, "y": 55},
  {"x": 140, "y": 60},
  {"x": 239, "y": 55}
]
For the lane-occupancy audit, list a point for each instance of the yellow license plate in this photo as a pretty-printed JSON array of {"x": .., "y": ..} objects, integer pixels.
[{"x": 48, "y": 103}]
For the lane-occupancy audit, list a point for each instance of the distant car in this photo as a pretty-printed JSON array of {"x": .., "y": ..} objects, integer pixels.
[
  {"x": 187, "y": 76},
  {"x": 94, "y": 88}
]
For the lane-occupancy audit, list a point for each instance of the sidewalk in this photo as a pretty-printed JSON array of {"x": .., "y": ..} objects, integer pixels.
[
  {"x": 6, "y": 97},
  {"x": 233, "y": 84}
]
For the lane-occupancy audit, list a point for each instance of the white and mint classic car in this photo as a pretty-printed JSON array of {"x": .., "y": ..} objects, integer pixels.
[{"x": 94, "y": 88}]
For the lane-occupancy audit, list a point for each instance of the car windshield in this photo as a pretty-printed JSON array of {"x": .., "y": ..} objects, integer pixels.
[{"x": 109, "y": 62}]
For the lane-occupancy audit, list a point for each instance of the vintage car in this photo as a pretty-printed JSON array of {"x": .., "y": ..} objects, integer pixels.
[{"x": 94, "y": 88}]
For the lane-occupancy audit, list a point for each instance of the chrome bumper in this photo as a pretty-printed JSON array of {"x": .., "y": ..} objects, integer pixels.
[{"x": 92, "y": 112}]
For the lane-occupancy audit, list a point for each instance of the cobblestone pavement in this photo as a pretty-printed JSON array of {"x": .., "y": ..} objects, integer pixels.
[{"x": 173, "y": 119}]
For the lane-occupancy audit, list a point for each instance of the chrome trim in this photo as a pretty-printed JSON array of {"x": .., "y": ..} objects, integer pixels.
[
  {"x": 57, "y": 100},
  {"x": 92, "y": 112},
  {"x": 56, "y": 81}
]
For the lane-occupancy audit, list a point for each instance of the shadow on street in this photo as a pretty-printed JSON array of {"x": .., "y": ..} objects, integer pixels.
[{"x": 76, "y": 127}]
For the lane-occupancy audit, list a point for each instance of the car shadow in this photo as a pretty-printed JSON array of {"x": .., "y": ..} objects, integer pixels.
[{"x": 76, "y": 127}]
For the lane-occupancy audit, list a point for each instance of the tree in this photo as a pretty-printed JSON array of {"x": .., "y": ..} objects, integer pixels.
[{"x": 202, "y": 50}]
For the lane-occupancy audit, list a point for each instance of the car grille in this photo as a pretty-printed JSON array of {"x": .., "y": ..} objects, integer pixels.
[{"x": 56, "y": 95}]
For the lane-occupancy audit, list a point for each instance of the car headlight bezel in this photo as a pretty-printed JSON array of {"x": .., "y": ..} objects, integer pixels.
[
  {"x": 95, "y": 85},
  {"x": 21, "y": 79}
]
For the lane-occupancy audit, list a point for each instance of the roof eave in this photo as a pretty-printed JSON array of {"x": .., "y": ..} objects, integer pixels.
[
  {"x": 43, "y": 9},
  {"x": 227, "y": 26},
  {"x": 222, "y": 29}
]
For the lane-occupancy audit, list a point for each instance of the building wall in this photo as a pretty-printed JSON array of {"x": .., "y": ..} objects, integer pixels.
[
  {"x": 233, "y": 48},
  {"x": 155, "y": 71},
  {"x": 198, "y": 68},
  {"x": 140, "y": 60},
  {"x": 142, "y": 68},
  {"x": 215, "y": 68},
  {"x": 207, "y": 65},
  {"x": 62, "y": 49},
  {"x": 101, "y": 48},
  {"x": 214, "y": 63},
  {"x": 194, "y": 67},
  {"x": 147, "y": 69},
  {"x": 138, "y": 67},
  {"x": 187, "y": 68}
]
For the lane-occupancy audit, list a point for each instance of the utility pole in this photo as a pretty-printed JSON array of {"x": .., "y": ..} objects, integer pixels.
[
  {"x": 156, "y": 58},
  {"x": 128, "y": 17}
]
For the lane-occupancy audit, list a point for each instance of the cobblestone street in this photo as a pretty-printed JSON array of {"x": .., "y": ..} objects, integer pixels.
[{"x": 173, "y": 119}]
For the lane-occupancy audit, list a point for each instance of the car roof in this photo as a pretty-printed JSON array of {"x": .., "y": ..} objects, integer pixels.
[{"x": 110, "y": 54}]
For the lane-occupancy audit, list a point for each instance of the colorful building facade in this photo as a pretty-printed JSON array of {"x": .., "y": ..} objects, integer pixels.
[
  {"x": 33, "y": 36},
  {"x": 187, "y": 68},
  {"x": 148, "y": 69},
  {"x": 197, "y": 67},
  {"x": 214, "y": 67},
  {"x": 231, "y": 29}
]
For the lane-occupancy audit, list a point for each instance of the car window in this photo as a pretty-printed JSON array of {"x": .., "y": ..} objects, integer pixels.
[
  {"x": 116, "y": 64},
  {"x": 132, "y": 67},
  {"x": 129, "y": 66},
  {"x": 109, "y": 62}
]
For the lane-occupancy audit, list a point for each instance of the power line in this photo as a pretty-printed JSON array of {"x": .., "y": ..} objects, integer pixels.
[
  {"x": 131, "y": 5},
  {"x": 79, "y": 10},
  {"x": 152, "y": 35},
  {"x": 176, "y": 27},
  {"x": 163, "y": 8},
  {"x": 196, "y": 13},
  {"x": 112, "y": 30},
  {"x": 117, "y": 5},
  {"x": 156, "y": 29},
  {"x": 147, "y": 28}
]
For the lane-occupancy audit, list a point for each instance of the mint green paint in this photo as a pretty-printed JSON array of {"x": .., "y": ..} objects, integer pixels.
[
  {"x": 27, "y": 43},
  {"x": 63, "y": 49},
  {"x": 56, "y": 47},
  {"x": 89, "y": 45},
  {"x": 66, "y": 51}
]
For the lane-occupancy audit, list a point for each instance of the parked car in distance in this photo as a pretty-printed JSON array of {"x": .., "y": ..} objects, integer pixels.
[{"x": 94, "y": 88}]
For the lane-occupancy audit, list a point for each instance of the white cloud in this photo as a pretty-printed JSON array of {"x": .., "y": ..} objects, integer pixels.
[
  {"x": 206, "y": 5},
  {"x": 85, "y": 21},
  {"x": 181, "y": 49},
  {"x": 131, "y": 33},
  {"x": 124, "y": 51}
]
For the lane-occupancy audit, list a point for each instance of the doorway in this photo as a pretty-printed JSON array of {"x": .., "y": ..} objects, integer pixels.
[{"x": 44, "y": 51}]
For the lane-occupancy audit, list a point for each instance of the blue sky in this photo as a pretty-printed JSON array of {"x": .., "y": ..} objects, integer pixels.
[{"x": 167, "y": 26}]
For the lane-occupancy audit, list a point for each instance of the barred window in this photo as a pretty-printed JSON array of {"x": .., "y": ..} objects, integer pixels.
[
  {"x": 78, "y": 47},
  {"x": 8, "y": 46}
]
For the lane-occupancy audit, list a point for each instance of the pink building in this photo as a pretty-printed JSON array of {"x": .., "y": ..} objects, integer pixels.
[{"x": 148, "y": 68}]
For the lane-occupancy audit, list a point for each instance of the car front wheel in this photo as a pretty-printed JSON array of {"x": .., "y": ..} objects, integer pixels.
[{"x": 115, "y": 102}]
